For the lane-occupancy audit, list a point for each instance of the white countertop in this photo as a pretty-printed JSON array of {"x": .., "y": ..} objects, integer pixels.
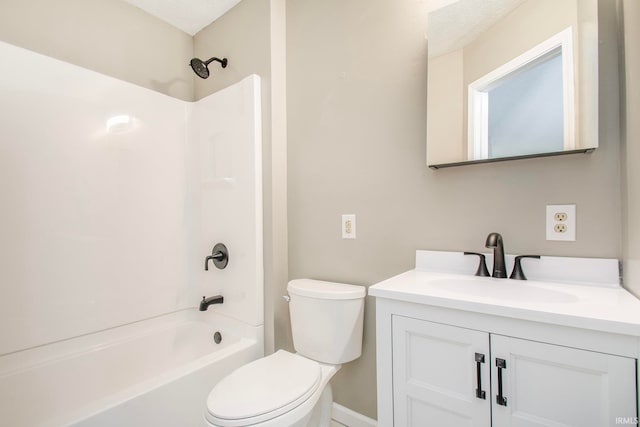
[{"x": 602, "y": 308}]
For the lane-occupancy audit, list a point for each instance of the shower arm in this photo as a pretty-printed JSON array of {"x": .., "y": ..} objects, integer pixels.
[{"x": 222, "y": 62}]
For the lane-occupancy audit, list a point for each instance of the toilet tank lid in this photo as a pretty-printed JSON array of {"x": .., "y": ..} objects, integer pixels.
[{"x": 325, "y": 290}]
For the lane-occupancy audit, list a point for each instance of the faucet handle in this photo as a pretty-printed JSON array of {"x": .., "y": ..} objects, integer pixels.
[
  {"x": 219, "y": 255},
  {"x": 517, "y": 273},
  {"x": 482, "y": 266}
]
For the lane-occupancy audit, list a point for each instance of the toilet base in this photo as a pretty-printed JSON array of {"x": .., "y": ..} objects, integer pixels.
[{"x": 321, "y": 414}]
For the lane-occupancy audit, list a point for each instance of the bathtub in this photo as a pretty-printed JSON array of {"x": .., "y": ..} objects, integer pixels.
[{"x": 156, "y": 372}]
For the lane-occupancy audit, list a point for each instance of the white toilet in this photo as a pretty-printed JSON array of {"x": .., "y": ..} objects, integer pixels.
[{"x": 293, "y": 390}]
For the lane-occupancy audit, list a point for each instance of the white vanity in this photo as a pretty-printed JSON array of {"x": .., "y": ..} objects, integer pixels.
[{"x": 458, "y": 350}]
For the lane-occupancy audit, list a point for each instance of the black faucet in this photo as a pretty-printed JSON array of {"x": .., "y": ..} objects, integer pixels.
[
  {"x": 206, "y": 302},
  {"x": 494, "y": 241}
]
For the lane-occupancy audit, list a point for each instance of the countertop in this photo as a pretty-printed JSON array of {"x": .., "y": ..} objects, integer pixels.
[{"x": 609, "y": 309}]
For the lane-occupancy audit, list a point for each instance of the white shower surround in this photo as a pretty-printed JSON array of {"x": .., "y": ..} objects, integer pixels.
[{"x": 102, "y": 228}]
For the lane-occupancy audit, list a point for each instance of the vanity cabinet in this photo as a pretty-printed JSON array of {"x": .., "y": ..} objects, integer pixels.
[
  {"x": 444, "y": 375},
  {"x": 559, "y": 349},
  {"x": 435, "y": 376}
]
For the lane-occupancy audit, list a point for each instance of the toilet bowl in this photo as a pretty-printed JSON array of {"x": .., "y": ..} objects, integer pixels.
[
  {"x": 283, "y": 389},
  {"x": 293, "y": 390}
]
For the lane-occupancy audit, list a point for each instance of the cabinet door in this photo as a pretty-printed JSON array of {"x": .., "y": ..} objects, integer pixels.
[
  {"x": 550, "y": 385},
  {"x": 435, "y": 375}
]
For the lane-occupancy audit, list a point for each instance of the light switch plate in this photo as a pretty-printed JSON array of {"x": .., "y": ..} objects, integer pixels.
[{"x": 349, "y": 226}]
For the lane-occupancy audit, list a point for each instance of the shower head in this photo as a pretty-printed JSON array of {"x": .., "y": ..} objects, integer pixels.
[{"x": 201, "y": 68}]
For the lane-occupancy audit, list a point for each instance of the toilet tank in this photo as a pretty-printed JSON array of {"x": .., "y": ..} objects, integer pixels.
[{"x": 326, "y": 320}]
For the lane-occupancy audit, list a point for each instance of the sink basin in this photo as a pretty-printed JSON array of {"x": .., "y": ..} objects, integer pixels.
[{"x": 501, "y": 289}]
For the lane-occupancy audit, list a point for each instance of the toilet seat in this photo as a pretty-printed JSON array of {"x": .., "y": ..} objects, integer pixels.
[{"x": 263, "y": 390}]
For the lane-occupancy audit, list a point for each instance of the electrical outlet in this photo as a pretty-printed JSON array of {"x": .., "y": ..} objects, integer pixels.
[
  {"x": 348, "y": 226},
  {"x": 560, "y": 228},
  {"x": 561, "y": 222},
  {"x": 560, "y": 216}
]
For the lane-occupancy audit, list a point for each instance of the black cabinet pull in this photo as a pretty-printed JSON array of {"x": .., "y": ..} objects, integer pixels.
[
  {"x": 500, "y": 399},
  {"x": 480, "y": 394}
]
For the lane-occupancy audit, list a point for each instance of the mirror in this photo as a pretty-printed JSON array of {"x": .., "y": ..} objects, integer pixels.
[{"x": 511, "y": 79}]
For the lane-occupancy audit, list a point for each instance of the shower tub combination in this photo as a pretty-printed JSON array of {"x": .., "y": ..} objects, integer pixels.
[
  {"x": 156, "y": 372},
  {"x": 117, "y": 191}
]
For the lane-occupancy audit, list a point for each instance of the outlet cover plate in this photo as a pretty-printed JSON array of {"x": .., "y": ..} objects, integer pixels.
[{"x": 561, "y": 222}]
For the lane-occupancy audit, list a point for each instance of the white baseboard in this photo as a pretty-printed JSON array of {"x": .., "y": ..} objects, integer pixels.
[{"x": 350, "y": 418}]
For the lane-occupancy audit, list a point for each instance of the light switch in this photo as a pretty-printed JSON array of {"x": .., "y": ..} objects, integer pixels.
[{"x": 349, "y": 226}]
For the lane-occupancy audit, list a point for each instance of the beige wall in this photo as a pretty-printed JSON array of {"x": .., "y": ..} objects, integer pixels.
[
  {"x": 246, "y": 51},
  {"x": 356, "y": 113},
  {"x": 252, "y": 37},
  {"x": 111, "y": 37},
  {"x": 631, "y": 151}
]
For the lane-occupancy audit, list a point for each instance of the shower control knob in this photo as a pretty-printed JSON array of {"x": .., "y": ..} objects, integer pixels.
[{"x": 219, "y": 256}]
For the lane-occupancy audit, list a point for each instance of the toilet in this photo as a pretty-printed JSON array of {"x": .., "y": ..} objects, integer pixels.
[{"x": 292, "y": 390}]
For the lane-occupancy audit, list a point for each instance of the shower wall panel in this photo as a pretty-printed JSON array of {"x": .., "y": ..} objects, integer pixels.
[
  {"x": 100, "y": 220},
  {"x": 225, "y": 134}
]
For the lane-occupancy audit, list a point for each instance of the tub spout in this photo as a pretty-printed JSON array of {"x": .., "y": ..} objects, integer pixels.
[{"x": 206, "y": 302}]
